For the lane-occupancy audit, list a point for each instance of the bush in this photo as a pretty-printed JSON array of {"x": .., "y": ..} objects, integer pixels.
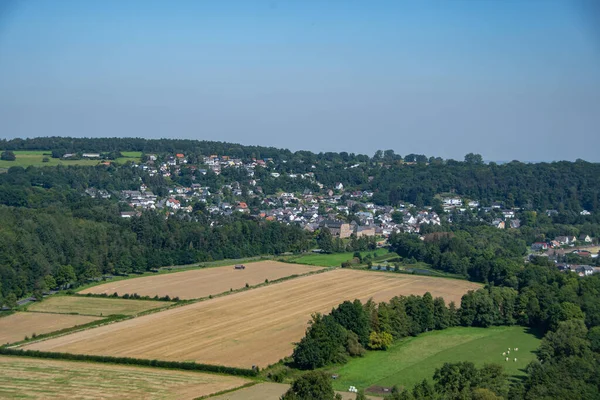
[
  {"x": 8, "y": 156},
  {"x": 380, "y": 340}
]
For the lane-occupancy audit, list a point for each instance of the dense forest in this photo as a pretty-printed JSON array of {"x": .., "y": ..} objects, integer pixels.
[{"x": 45, "y": 248}]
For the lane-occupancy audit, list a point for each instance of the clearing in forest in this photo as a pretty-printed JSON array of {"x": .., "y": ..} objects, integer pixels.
[
  {"x": 95, "y": 305},
  {"x": 15, "y": 327},
  {"x": 254, "y": 327},
  {"x": 199, "y": 283},
  {"x": 24, "y": 377},
  {"x": 413, "y": 359}
]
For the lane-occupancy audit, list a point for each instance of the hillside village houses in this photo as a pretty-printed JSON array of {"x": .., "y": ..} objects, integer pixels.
[{"x": 327, "y": 208}]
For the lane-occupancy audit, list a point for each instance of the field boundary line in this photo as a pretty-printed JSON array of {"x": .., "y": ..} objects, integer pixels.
[
  {"x": 134, "y": 362},
  {"x": 222, "y": 392}
]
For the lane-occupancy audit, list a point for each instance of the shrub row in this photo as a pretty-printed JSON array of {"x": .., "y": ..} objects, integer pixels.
[
  {"x": 126, "y": 296},
  {"x": 189, "y": 366}
]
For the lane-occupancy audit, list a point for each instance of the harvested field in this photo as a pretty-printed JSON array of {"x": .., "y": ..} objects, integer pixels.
[
  {"x": 202, "y": 282},
  {"x": 95, "y": 306},
  {"x": 258, "y": 326},
  {"x": 269, "y": 391},
  {"x": 15, "y": 327},
  {"x": 24, "y": 377}
]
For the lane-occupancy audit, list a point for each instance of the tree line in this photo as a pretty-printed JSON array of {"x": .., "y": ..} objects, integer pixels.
[{"x": 41, "y": 249}]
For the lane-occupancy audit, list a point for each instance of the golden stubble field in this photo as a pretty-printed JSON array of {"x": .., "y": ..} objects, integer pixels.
[
  {"x": 255, "y": 327},
  {"x": 23, "y": 377},
  {"x": 95, "y": 306},
  {"x": 200, "y": 283},
  {"x": 15, "y": 327}
]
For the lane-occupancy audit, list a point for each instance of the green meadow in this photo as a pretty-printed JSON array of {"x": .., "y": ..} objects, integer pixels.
[
  {"x": 411, "y": 360},
  {"x": 27, "y": 158},
  {"x": 336, "y": 259}
]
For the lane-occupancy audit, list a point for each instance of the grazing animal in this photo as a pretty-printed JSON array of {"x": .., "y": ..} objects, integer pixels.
[
  {"x": 506, "y": 358},
  {"x": 515, "y": 360},
  {"x": 508, "y": 352},
  {"x": 504, "y": 353}
]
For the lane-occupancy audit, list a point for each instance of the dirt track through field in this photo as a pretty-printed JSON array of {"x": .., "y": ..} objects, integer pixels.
[
  {"x": 15, "y": 327},
  {"x": 255, "y": 327},
  {"x": 199, "y": 283},
  {"x": 51, "y": 379}
]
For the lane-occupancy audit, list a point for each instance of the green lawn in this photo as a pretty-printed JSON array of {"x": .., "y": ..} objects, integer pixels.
[
  {"x": 413, "y": 359},
  {"x": 333, "y": 260},
  {"x": 34, "y": 158}
]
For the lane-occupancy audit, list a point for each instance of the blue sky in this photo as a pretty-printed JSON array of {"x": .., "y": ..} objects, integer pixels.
[{"x": 510, "y": 79}]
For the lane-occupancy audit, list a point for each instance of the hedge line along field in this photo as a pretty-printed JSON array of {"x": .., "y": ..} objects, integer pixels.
[
  {"x": 254, "y": 327},
  {"x": 24, "y": 377},
  {"x": 199, "y": 283},
  {"x": 94, "y": 306},
  {"x": 15, "y": 327},
  {"x": 411, "y": 360}
]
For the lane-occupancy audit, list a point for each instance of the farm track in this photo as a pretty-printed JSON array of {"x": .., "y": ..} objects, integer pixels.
[{"x": 255, "y": 327}]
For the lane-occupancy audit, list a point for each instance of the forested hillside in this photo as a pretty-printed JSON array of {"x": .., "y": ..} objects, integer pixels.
[{"x": 54, "y": 242}]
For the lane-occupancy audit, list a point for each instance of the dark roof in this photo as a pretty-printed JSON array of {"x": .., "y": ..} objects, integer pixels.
[{"x": 328, "y": 223}]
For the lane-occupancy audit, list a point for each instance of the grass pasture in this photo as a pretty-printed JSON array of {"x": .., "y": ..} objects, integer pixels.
[
  {"x": 33, "y": 378},
  {"x": 254, "y": 327},
  {"x": 15, "y": 327},
  {"x": 414, "y": 359},
  {"x": 198, "y": 283},
  {"x": 335, "y": 259},
  {"x": 94, "y": 306},
  {"x": 26, "y": 158}
]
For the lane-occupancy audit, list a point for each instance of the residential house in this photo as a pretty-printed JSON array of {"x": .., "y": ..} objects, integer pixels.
[
  {"x": 585, "y": 238},
  {"x": 498, "y": 224},
  {"x": 452, "y": 201},
  {"x": 508, "y": 214},
  {"x": 539, "y": 246},
  {"x": 584, "y": 270},
  {"x": 173, "y": 203},
  {"x": 515, "y": 223}
]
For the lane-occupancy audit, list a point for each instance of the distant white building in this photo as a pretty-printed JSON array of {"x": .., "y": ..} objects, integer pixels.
[{"x": 452, "y": 201}]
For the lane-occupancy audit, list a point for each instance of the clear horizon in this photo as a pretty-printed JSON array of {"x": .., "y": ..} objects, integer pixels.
[{"x": 508, "y": 80}]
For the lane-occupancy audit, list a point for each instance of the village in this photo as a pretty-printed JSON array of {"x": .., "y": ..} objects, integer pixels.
[{"x": 344, "y": 211}]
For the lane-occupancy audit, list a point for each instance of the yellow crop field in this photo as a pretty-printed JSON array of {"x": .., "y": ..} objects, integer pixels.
[
  {"x": 255, "y": 327},
  {"x": 95, "y": 306},
  {"x": 24, "y": 377},
  {"x": 202, "y": 282},
  {"x": 15, "y": 327}
]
